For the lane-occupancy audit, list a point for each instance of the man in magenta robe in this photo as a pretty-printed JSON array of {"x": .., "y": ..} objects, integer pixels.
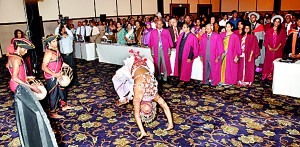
[
  {"x": 186, "y": 51},
  {"x": 161, "y": 43},
  {"x": 211, "y": 50}
]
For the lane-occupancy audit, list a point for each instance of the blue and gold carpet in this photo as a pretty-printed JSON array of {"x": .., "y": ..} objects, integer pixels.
[{"x": 203, "y": 115}]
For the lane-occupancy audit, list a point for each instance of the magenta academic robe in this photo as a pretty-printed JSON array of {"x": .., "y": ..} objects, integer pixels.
[
  {"x": 216, "y": 50},
  {"x": 234, "y": 49},
  {"x": 167, "y": 44},
  {"x": 251, "y": 44},
  {"x": 186, "y": 68},
  {"x": 270, "y": 55}
]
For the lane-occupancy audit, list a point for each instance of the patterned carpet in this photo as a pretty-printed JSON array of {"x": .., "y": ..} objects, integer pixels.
[{"x": 203, "y": 115}]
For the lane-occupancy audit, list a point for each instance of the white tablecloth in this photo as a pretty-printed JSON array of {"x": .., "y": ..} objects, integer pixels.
[
  {"x": 115, "y": 54},
  {"x": 286, "y": 79},
  {"x": 85, "y": 51}
]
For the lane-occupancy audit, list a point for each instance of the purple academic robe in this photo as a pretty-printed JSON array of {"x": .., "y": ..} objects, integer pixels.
[
  {"x": 234, "y": 49},
  {"x": 186, "y": 68},
  {"x": 167, "y": 44},
  {"x": 270, "y": 55},
  {"x": 216, "y": 51},
  {"x": 251, "y": 45}
]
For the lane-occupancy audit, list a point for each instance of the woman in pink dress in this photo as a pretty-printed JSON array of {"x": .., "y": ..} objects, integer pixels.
[{"x": 275, "y": 39}]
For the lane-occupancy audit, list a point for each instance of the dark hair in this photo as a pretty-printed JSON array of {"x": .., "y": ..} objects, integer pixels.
[
  {"x": 223, "y": 14},
  {"x": 279, "y": 26},
  {"x": 233, "y": 11},
  {"x": 231, "y": 24},
  {"x": 245, "y": 23},
  {"x": 188, "y": 26},
  {"x": 16, "y": 33},
  {"x": 241, "y": 22},
  {"x": 220, "y": 29}
]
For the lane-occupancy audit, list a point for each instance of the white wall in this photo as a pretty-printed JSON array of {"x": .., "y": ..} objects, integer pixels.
[{"x": 12, "y": 11}]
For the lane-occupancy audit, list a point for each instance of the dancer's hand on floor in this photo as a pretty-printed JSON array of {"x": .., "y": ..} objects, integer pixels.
[{"x": 144, "y": 134}]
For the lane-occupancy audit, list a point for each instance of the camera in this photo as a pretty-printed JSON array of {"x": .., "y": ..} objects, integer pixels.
[{"x": 63, "y": 20}]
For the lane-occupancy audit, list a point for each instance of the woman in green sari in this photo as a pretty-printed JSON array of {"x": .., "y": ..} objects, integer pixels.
[{"x": 120, "y": 34}]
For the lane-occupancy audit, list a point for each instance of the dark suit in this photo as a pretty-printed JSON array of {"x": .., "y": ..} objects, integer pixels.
[
  {"x": 288, "y": 45},
  {"x": 173, "y": 34}
]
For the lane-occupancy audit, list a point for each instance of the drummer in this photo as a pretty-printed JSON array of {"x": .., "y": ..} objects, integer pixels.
[
  {"x": 16, "y": 64},
  {"x": 51, "y": 66}
]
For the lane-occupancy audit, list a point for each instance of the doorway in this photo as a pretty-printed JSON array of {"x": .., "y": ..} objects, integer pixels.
[
  {"x": 179, "y": 9},
  {"x": 205, "y": 9}
]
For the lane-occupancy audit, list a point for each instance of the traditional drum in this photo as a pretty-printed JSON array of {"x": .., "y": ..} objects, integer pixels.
[
  {"x": 32, "y": 81},
  {"x": 67, "y": 75}
]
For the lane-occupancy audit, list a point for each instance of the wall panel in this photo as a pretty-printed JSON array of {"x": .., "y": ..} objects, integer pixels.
[
  {"x": 136, "y": 7},
  {"x": 290, "y": 5},
  {"x": 167, "y": 6},
  {"x": 124, "y": 7},
  {"x": 77, "y": 8},
  {"x": 12, "y": 11},
  {"x": 107, "y": 7},
  {"x": 48, "y": 9},
  {"x": 247, "y": 5},
  {"x": 265, "y": 5},
  {"x": 150, "y": 7},
  {"x": 229, "y": 5},
  {"x": 193, "y": 6},
  {"x": 215, "y": 5}
]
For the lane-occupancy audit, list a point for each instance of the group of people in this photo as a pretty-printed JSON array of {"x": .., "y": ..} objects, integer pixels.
[{"x": 229, "y": 56}]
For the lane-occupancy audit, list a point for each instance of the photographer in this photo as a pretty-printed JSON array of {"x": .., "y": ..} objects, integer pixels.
[{"x": 66, "y": 49}]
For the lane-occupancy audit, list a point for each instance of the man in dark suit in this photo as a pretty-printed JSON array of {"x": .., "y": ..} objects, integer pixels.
[
  {"x": 174, "y": 31},
  {"x": 292, "y": 46}
]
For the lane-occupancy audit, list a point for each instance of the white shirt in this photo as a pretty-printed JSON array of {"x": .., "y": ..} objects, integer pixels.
[
  {"x": 288, "y": 27},
  {"x": 223, "y": 22},
  {"x": 95, "y": 31},
  {"x": 66, "y": 44},
  {"x": 87, "y": 29},
  {"x": 153, "y": 25}
]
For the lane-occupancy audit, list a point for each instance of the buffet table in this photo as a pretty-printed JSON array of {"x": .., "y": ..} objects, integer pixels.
[
  {"x": 115, "y": 54},
  {"x": 85, "y": 51},
  {"x": 286, "y": 78}
]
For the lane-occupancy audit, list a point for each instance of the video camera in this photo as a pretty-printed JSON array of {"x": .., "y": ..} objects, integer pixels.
[{"x": 63, "y": 20}]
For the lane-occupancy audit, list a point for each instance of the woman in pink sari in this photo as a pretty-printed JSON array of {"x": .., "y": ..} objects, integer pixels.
[{"x": 275, "y": 39}]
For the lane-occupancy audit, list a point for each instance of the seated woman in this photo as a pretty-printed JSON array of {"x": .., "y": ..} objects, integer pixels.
[
  {"x": 135, "y": 80},
  {"x": 129, "y": 37}
]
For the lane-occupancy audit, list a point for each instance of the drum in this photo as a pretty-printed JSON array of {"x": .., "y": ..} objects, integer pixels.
[
  {"x": 32, "y": 81},
  {"x": 67, "y": 75}
]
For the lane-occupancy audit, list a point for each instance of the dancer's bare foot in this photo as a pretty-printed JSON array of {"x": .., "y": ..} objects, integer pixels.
[
  {"x": 67, "y": 107},
  {"x": 55, "y": 115},
  {"x": 144, "y": 134},
  {"x": 170, "y": 127},
  {"x": 118, "y": 103}
]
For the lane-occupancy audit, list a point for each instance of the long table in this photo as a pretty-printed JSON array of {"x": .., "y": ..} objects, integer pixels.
[
  {"x": 286, "y": 78},
  {"x": 115, "y": 54}
]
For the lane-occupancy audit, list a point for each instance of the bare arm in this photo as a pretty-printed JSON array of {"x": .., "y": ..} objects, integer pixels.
[
  {"x": 46, "y": 61},
  {"x": 15, "y": 77}
]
